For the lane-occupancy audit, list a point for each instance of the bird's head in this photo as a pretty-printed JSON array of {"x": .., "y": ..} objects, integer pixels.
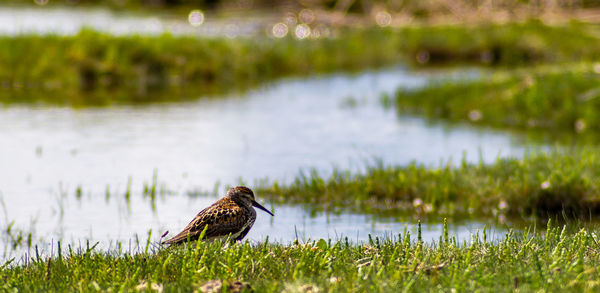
[{"x": 245, "y": 195}]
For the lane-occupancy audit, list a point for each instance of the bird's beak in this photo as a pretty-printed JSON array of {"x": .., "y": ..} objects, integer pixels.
[{"x": 255, "y": 204}]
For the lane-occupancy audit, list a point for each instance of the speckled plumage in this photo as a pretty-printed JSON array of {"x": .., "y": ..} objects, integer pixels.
[{"x": 231, "y": 216}]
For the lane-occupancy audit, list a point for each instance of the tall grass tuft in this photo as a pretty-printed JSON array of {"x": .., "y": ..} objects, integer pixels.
[{"x": 553, "y": 183}]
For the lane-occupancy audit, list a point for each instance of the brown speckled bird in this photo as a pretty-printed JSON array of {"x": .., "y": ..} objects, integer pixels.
[{"x": 231, "y": 216}]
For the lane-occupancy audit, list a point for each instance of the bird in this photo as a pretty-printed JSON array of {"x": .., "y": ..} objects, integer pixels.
[{"x": 231, "y": 217}]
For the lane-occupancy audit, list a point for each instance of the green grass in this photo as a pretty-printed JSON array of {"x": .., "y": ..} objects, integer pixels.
[
  {"x": 543, "y": 184},
  {"x": 510, "y": 44},
  {"x": 553, "y": 260},
  {"x": 94, "y": 68},
  {"x": 563, "y": 98}
]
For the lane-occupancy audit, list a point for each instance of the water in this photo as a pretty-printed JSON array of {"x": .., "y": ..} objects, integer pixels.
[
  {"x": 323, "y": 122},
  {"x": 70, "y": 20}
]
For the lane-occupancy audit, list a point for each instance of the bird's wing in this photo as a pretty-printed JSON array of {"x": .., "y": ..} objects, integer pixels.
[
  {"x": 243, "y": 233},
  {"x": 220, "y": 219}
]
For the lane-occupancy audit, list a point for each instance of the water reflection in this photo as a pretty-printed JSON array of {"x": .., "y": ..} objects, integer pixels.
[{"x": 51, "y": 154}]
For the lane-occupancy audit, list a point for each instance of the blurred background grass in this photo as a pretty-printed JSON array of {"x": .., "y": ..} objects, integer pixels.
[{"x": 95, "y": 68}]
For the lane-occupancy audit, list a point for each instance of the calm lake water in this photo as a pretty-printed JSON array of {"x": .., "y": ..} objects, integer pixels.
[
  {"x": 273, "y": 132},
  {"x": 70, "y": 20}
]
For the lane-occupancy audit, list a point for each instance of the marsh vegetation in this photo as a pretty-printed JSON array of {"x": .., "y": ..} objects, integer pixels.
[
  {"x": 553, "y": 259},
  {"x": 94, "y": 68},
  {"x": 94, "y": 113}
]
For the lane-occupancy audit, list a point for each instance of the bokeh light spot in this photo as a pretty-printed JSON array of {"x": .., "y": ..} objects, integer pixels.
[
  {"x": 280, "y": 30},
  {"x": 290, "y": 19},
  {"x": 306, "y": 16},
  {"x": 196, "y": 17},
  {"x": 422, "y": 57},
  {"x": 383, "y": 18},
  {"x": 41, "y": 2},
  {"x": 321, "y": 31},
  {"x": 475, "y": 115},
  {"x": 580, "y": 125},
  {"x": 316, "y": 34},
  {"x": 302, "y": 31}
]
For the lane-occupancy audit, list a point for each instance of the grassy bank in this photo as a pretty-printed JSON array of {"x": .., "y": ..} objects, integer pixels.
[
  {"x": 511, "y": 44},
  {"x": 556, "y": 260},
  {"x": 134, "y": 69},
  {"x": 95, "y": 68},
  {"x": 552, "y": 98},
  {"x": 543, "y": 184}
]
